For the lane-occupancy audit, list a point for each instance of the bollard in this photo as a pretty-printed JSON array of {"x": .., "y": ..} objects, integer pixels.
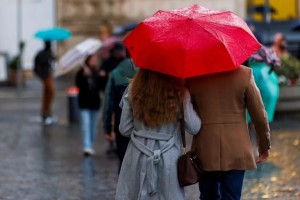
[{"x": 73, "y": 108}]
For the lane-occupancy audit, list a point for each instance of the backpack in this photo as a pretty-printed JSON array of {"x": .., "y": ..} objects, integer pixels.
[{"x": 43, "y": 64}]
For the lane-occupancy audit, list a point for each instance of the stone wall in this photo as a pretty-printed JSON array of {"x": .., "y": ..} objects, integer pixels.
[{"x": 83, "y": 17}]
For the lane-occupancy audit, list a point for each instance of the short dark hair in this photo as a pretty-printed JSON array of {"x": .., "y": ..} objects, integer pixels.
[
  {"x": 47, "y": 45},
  {"x": 87, "y": 60},
  {"x": 118, "y": 46}
]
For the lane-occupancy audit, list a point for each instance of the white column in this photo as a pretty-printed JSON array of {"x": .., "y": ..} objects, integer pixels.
[{"x": 36, "y": 14}]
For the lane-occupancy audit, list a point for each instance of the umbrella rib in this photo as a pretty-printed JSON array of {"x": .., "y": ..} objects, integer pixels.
[
  {"x": 73, "y": 61},
  {"x": 174, "y": 13},
  {"x": 216, "y": 32},
  {"x": 237, "y": 43},
  {"x": 212, "y": 35},
  {"x": 185, "y": 50},
  {"x": 238, "y": 27},
  {"x": 205, "y": 16},
  {"x": 213, "y": 14},
  {"x": 218, "y": 24}
]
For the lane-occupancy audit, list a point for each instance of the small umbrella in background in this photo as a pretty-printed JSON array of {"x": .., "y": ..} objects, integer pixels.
[
  {"x": 109, "y": 42},
  {"x": 107, "y": 45},
  {"x": 75, "y": 56},
  {"x": 191, "y": 41},
  {"x": 53, "y": 34},
  {"x": 125, "y": 28}
]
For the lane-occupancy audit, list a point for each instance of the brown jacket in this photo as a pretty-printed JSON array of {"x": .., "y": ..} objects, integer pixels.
[{"x": 223, "y": 142}]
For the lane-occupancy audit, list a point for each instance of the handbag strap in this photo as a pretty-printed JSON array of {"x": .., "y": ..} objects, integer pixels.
[{"x": 182, "y": 129}]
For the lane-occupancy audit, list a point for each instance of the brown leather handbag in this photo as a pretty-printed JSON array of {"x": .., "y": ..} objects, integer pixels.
[{"x": 189, "y": 166}]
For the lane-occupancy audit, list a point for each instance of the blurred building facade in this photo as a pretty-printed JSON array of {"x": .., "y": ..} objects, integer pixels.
[
  {"x": 84, "y": 17},
  {"x": 19, "y": 20}
]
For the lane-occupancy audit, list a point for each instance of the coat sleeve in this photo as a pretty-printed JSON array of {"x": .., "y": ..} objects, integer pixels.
[
  {"x": 108, "y": 105},
  {"x": 258, "y": 115},
  {"x": 191, "y": 118},
  {"x": 79, "y": 79},
  {"x": 126, "y": 123}
]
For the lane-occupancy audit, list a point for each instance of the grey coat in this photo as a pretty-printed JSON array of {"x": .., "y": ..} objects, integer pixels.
[{"x": 149, "y": 169}]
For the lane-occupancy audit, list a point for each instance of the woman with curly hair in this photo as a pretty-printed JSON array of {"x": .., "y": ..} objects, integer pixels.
[{"x": 151, "y": 111}]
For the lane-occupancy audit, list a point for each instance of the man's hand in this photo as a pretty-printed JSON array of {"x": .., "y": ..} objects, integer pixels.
[
  {"x": 110, "y": 137},
  {"x": 102, "y": 73},
  {"x": 263, "y": 156}
]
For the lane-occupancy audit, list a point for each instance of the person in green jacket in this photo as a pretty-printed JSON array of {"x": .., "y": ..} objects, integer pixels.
[{"x": 116, "y": 85}]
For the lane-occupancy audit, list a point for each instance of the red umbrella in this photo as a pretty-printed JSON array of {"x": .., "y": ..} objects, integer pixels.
[{"x": 191, "y": 41}]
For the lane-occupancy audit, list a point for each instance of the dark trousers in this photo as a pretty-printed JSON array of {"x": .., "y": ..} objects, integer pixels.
[
  {"x": 221, "y": 185},
  {"x": 122, "y": 143}
]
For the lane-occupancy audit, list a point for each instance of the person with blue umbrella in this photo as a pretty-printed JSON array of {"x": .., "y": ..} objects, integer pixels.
[
  {"x": 43, "y": 66},
  {"x": 53, "y": 34}
]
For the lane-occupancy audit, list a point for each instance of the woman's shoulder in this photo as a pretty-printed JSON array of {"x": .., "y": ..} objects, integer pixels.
[{"x": 127, "y": 92}]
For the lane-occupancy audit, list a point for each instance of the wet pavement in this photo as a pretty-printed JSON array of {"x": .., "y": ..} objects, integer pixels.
[{"x": 45, "y": 162}]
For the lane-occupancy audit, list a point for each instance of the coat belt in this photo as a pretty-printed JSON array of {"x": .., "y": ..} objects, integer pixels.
[{"x": 153, "y": 156}]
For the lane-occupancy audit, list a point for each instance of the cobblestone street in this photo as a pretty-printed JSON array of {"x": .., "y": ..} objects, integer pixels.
[{"x": 46, "y": 163}]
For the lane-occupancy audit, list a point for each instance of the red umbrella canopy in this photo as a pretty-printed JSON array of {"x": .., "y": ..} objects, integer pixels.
[{"x": 191, "y": 41}]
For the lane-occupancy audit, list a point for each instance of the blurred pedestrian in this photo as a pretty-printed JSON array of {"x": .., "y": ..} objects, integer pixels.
[
  {"x": 151, "y": 109},
  {"x": 117, "y": 55},
  {"x": 263, "y": 63},
  {"x": 88, "y": 82},
  {"x": 43, "y": 63},
  {"x": 279, "y": 44},
  {"x": 105, "y": 30},
  {"x": 290, "y": 64},
  {"x": 117, "y": 84},
  {"x": 223, "y": 143},
  {"x": 257, "y": 35},
  {"x": 106, "y": 36}
]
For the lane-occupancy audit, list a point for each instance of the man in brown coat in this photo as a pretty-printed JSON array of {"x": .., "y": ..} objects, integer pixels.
[{"x": 223, "y": 143}]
